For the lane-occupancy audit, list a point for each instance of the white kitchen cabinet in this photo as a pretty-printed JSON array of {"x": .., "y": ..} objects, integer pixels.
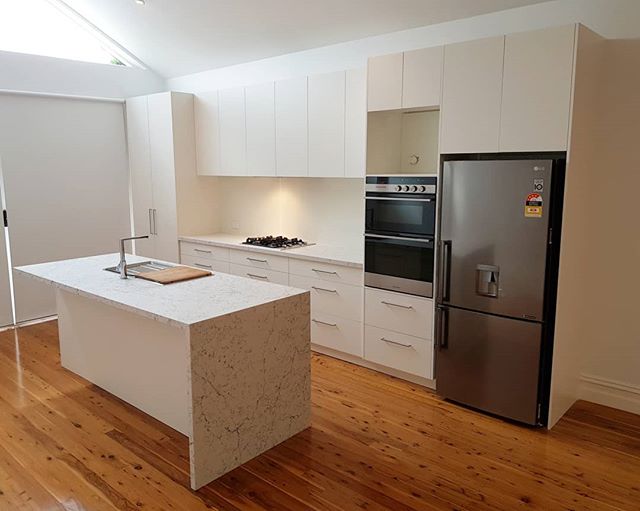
[
  {"x": 262, "y": 275},
  {"x": 207, "y": 130},
  {"x": 536, "y": 93},
  {"x": 384, "y": 82},
  {"x": 233, "y": 132},
  {"x": 291, "y": 127},
  {"x": 205, "y": 263},
  {"x": 326, "y": 110},
  {"x": 422, "y": 77},
  {"x": 471, "y": 96},
  {"x": 336, "y": 333},
  {"x": 261, "y": 129},
  {"x": 406, "y": 353},
  {"x": 355, "y": 123}
]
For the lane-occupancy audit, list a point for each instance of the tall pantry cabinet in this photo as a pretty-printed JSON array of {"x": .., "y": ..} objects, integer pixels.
[{"x": 168, "y": 198}]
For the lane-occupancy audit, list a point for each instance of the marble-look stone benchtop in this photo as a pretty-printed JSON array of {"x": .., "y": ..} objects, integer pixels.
[
  {"x": 181, "y": 304},
  {"x": 352, "y": 256}
]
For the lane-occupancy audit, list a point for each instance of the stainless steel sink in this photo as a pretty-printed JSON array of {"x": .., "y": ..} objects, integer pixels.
[{"x": 135, "y": 269}]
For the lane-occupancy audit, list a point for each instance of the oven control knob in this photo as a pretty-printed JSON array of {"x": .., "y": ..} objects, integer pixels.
[
  {"x": 406, "y": 188},
  {"x": 422, "y": 189},
  {"x": 414, "y": 188},
  {"x": 398, "y": 188}
]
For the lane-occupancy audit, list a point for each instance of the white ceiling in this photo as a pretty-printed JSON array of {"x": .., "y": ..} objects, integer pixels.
[{"x": 178, "y": 37}]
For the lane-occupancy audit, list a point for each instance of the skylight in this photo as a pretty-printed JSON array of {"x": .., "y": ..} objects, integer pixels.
[{"x": 38, "y": 27}]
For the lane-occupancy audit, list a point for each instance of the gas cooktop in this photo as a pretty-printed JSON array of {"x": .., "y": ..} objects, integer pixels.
[{"x": 276, "y": 242}]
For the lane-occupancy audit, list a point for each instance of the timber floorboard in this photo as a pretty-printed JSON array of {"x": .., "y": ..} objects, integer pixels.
[{"x": 375, "y": 443}]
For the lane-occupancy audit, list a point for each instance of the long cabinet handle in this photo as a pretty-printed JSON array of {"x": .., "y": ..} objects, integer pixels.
[
  {"x": 396, "y": 343},
  {"x": 254, "y": 276},
  {"x": 150, "y": 221},
  {"x": 207, "y": 266},
  {"x": 407, "y": 307},
  {"x": 256, "y": 260},
  {"x": 324, "y": 271},
  {"x": 324, "y": 289},
  {"x": 202, "y": 251},
  {"x": 155, "y": 225},
  {"x": 324, "y": 323}
]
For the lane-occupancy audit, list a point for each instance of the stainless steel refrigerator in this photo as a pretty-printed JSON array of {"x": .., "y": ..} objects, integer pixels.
[{"x": 499, "y": 236}]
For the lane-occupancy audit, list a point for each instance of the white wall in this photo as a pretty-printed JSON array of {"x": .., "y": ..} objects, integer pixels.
[
  {"x": 34, "y": 73},
  {"x": 610, "y": 18}
]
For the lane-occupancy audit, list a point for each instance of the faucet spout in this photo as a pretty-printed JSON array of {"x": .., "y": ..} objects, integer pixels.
[{"x": 122, "y": 265}]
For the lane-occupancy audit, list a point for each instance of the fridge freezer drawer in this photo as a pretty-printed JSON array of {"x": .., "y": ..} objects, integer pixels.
[{"x": 489, "y": 362}]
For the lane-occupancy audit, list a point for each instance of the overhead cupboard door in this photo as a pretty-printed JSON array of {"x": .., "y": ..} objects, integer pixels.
[
  {"x": 65, "y": 170},
  {"x": 6, "y": 317}
]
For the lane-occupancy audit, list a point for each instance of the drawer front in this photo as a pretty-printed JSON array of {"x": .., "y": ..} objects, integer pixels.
[
  {"x": 275, "y": 277},
  {"x": 336, "y": 333},
  {"x": 204, "y": 251},
  {"x": 399, "y": 351},
  {"x": 205, "y": 264},
  {"x": 326, "y": 271},
  {"x": 405, "y": 314},
  {"x": 260, "y": 260},
  {"x": 342, "y": 300}
]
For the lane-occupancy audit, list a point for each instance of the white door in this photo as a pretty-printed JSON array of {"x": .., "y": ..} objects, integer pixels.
[
  {"x": 261, "y": 129},
  {"x": 6, "y": 308},
  {"x": 536, "y": 94},
  {"x": 233, "y": 132},
  {"x": 355, "y": 123},
  {"x": 140, "y": 168},
  {"x": 471, "y": 96},
  {"x": 422, "y": 77},
  {"x": 66, "y": 178},
  {"x": 384, "y": 82},
  {"x": 207, "y": 128},
  {"x": 326, "y": 124},
  {"x": 161, "y": 144},
  {"x": 291, "y": 127}
]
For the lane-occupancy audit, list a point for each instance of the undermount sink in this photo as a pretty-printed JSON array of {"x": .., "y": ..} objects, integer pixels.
[{"x": 143, "y": 267}]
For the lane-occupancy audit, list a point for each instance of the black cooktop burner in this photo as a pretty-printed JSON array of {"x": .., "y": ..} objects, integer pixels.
[{"x": 280, "y": 242}]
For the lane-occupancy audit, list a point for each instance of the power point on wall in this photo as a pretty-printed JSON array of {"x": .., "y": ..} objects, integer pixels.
[{"x": 235, "y": 226}]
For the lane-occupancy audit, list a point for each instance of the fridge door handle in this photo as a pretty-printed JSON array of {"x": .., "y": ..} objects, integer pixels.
[
  {"x": 442, "y": 328},
  {"x": 445, "y": 269}
]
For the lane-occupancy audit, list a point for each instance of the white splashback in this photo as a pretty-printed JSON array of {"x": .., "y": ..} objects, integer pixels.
[{"x": 322, "y": 210}]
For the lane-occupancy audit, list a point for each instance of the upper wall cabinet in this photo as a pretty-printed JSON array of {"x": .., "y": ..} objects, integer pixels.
[
  {"x": 291, "y": 127},
  {"x": 207, "y": 125},
  {"x": 261, "y": 129},
  {"x": 326, "y": 124},
  {"x": 233, "y": 132},
  {"x": 471, "y": 96},
  {"x": 384, "y": 82},
  {"x": 355, "y": 123},
  {"x": 405, "y": 80},
  {"x": 536, "y": 97},
  {"x": 422, "y": 77}
]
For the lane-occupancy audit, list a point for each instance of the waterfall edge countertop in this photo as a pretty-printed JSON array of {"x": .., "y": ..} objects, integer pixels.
[
  {"x": 180, "y": 304},
  {"x": 352, "y": 255}
]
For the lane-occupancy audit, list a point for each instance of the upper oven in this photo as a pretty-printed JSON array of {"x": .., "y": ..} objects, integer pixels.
[{"x": 401, "y": 206}]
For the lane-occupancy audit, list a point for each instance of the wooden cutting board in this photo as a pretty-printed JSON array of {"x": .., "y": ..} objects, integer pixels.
[{"x": 175, "y": 274}]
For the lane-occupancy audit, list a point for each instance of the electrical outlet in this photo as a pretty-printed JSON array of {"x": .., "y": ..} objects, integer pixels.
[{"x": 235, "y": 226}]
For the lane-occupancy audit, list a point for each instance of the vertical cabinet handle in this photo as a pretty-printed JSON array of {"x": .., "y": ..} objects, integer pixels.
[
  {"x": 150, "y": 221},
  {"x": 155, "y": 226}
]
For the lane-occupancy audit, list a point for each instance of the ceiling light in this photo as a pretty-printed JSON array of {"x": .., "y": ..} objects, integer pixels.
[{"x": 140, "y": 2}]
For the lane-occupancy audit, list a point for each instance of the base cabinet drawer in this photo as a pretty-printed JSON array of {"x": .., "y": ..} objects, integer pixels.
[
  {"x": 326, "y": 271},
  {"x": 406, "y": 353},
  {"x": 205, "y": 264},
  {"x": 336, "y": 333},
  {"x": 401, "y": 313},
  {"x": 259, "y": 260},
  {"x": 204, "y": 251},
  {"x": 342, "y": 300},
  {"x": 275, "y": 277}
]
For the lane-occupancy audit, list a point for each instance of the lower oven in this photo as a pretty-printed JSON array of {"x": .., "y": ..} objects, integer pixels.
[{"x": 399, "y": 264}]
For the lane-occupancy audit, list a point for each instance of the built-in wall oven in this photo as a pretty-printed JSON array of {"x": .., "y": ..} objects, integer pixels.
[{"x": 399, "y": 233}]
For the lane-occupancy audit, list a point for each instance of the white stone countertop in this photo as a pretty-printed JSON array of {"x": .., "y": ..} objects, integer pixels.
[
  {"x": 180, "y": 304},
  {"x": 352, "y": 256}
]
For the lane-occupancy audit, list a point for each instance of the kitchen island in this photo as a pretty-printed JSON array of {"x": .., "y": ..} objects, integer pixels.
[{"x": 223, "y": 359}]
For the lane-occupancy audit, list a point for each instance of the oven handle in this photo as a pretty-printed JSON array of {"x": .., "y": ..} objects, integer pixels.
[
  {"x": 398, "y": 198},
  {"x": 401, "y": 238}
]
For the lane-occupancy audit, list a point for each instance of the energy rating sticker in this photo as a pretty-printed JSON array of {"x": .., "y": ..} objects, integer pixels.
[{"x": 533, "y": 206}]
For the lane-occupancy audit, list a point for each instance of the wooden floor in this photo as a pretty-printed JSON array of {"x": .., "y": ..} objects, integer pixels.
[{"x": 375, "y": 443}]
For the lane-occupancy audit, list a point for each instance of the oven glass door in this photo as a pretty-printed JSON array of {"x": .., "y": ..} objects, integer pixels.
[
  {"x": 396, "y": 264},
  {"x": 400, "y": 216}
]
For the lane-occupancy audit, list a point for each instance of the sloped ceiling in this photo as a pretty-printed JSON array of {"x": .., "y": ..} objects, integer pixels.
[{"x": 178, "y": 37}]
